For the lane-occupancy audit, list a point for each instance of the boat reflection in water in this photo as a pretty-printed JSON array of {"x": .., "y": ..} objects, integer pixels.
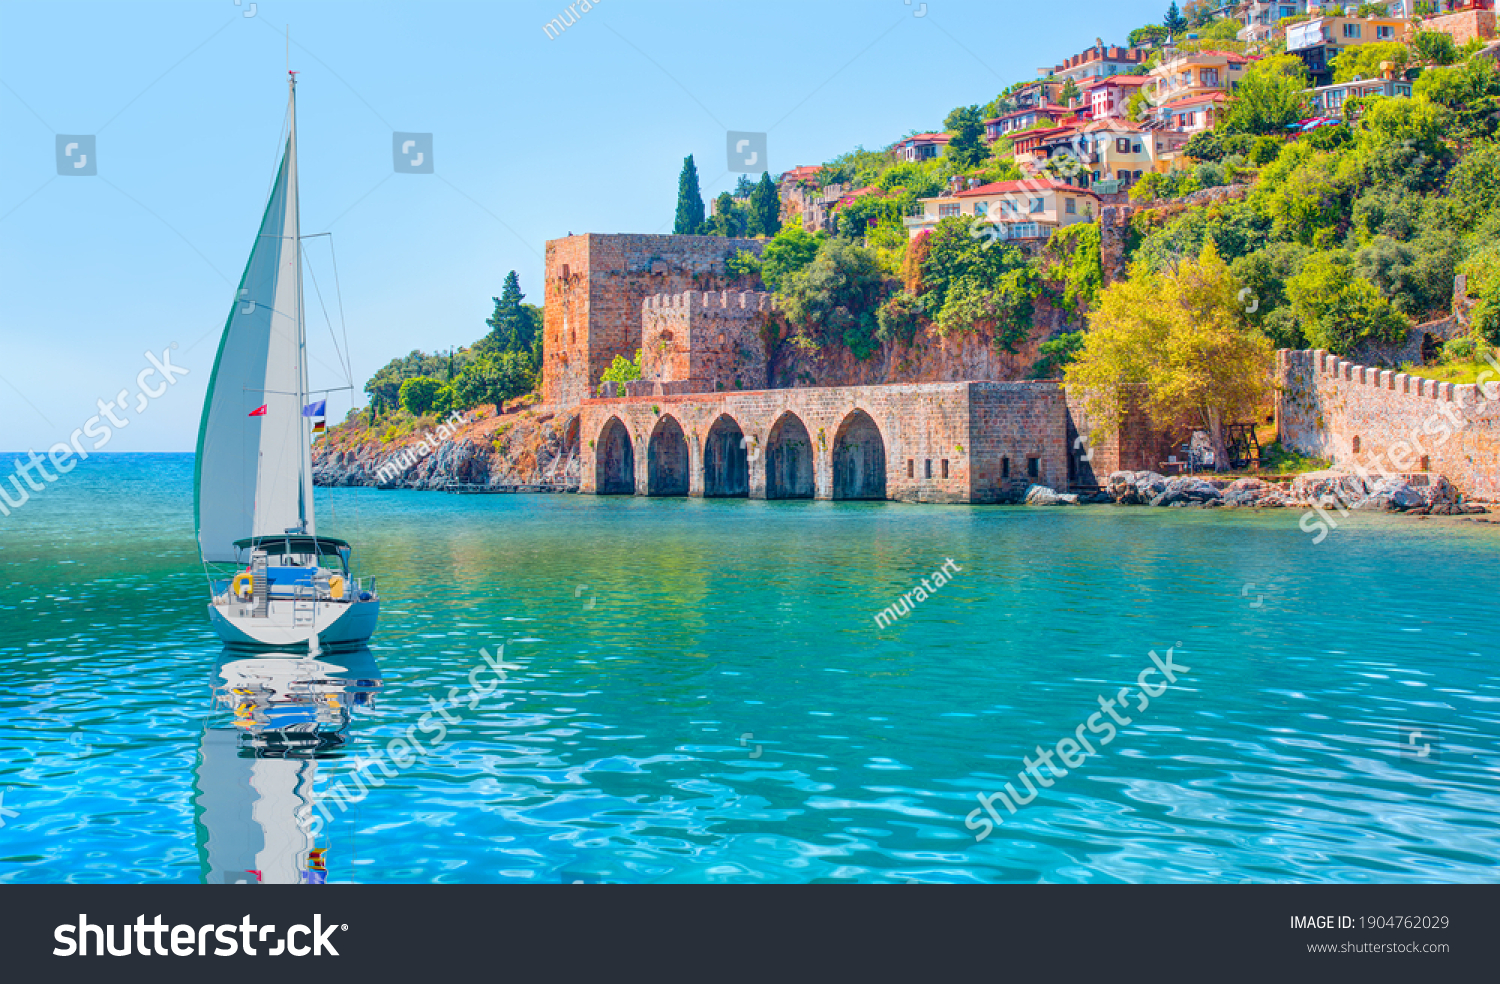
[{"x": 274, "y": 718}]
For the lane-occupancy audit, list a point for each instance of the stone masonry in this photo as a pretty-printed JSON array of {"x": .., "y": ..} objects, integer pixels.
[
  {"x": 595, "y": 288},
  {"x": 1390, "y": 422},
  {"x": 705, "y": 343},
  {"x": 932, "y": 442}
]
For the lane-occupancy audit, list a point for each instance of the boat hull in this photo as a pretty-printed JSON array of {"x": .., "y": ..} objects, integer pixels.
[{"x": 330, "y": 625}]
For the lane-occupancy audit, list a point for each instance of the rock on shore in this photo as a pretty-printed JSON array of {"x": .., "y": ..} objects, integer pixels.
[
  {"x": 514, "y": 450},
  {"x": 1327, "y": 489}
]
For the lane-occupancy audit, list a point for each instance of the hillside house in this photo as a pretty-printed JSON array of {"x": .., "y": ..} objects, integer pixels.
[
  {"x": 1019, "y": 210},
  {"x": 921, "y": 147}
]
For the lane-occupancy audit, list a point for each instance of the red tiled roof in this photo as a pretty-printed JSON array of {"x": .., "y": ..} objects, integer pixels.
[
  {"x": 930, "y": 137},
  {"x": 1011, "y": 187},
  {"x": 1212, "y": 97},
  {"x": 802, "y": 171},
  {"x": 1047, "y": 108},
  {"x": 860, "y": 193},
  {"x": 1126, "y": 80}
]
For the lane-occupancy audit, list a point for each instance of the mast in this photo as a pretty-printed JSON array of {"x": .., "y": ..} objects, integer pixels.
[{"x": 304, "y": 465}]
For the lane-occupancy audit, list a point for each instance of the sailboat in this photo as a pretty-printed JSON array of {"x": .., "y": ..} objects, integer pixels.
[{"x": 273, "y": 582}]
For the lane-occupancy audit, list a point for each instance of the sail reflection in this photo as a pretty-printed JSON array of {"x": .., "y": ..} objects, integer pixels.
[{"x": 274, "y": 718}]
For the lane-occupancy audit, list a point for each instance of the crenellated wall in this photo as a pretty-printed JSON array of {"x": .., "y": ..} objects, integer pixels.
[
  {"x": 595, "y": 286},
  {"x": 1385, "y": 421},
  {"x": 705, "y": 342}
]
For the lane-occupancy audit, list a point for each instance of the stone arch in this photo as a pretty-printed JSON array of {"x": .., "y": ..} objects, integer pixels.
[
  {"x": 726, "y": 460},
  {"x": 789, "y": 459},
  {"x": 858, "y": 458},
  {"x": 667, "y": 461},
  {"x": 614, "y": 460}
]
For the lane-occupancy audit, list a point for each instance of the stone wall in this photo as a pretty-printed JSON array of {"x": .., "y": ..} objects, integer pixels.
[
  {"x": 595, "y": 287},
  {"x": 1464, "y": 25},
  {"x": 1385, "y": 421},
  {"x": 934, "y": 442},
  {"x": 708, "y": 342},
  {"x": 1137, "y": 445}
]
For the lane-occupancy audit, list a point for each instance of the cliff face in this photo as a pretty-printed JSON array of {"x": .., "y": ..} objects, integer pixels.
[
  {"x": 525, "y": 448},
  {"x": 929, "y": 358}
]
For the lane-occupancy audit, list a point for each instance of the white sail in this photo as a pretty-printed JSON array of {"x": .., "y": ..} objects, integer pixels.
[{"x": 254, "y": 473}]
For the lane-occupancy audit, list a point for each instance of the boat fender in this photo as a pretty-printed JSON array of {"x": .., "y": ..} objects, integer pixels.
[
  {"x": 336, "y": 587},
  {"x": 243, "y": 586}
]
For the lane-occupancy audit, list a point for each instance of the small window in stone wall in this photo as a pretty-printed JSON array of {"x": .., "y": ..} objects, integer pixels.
[
  {"x": 566, "y": 271},
  {"x": 1033, "y": 467},
  {"x": 1005, "y": 468},
  {"x": 928, "y": 469},
  {"x": 1426, "y": 463},
  {"x": 911, "y": 468},
  {"x": 1355, "y": 449},
  {"x": 945, "y": 467}
]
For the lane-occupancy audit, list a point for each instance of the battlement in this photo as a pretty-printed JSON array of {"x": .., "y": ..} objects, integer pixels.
[
  {"x": 595, "y": 289},
  {"x": 726, "y": 303},
  {"x": 1325, "y": 363},
  {"x": 1390, "y": 422}
]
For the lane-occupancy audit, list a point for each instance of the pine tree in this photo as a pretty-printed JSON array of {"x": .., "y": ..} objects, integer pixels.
[
  {"x": 1174, "y": 21},
  {"x": 689, "y": 201},
  {"x": 765, "y": 209},
  {"x": 511, "y": 326}
]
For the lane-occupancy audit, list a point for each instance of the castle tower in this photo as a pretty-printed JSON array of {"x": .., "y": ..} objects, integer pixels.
[
  {"x": 595, "y": 288},
  {"x": 698, "y": 342}
]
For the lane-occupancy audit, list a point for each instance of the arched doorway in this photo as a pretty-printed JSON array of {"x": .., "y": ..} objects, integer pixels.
[
  {"x": 726, "y": 471},
  {"x": 614, "y": 460},
  {"x": 789, "y": 460},
  {"x": 667, "y": 459},
  {"x": 858, "y": 459}
]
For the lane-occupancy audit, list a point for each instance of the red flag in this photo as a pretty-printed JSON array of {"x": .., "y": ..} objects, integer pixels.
[{"x": 259, "y": 411}]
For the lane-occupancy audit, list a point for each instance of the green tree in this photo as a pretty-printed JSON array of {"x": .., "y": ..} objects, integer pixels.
[
  {"x": 1474, "y": 186},
  {"x": 513, "y": 325},
  {"x": 689, "y": 200},
  {"x": 743, "y": 187},
  {"x": 967, "y": 148},
  {"x": 791, "y": 250},
  {"x": 1364, "y": 60},
  {"x": 384, "y": 388},
  {"x": 1174, "y": 22},
  {"x": 417, "y": 394},
  {"x": 1337, "y": 308},
  {"x": 1055, "y": 354},
  {"x": 1069, "y": 93},
  {"x": 765, "y": 208},
  {"x": 1272, "y": 95},
  {"x": 1178, "y": 341},
  {"x": 1078, "y": 247},
  {"x": 1434, "y": 48},
  {"x": 729, "y": 219},
  {"x": 834, "y": 299},
  {"x": 494, "y": 378},
  {"x": 622, "y": 370},
  {"x": 1147, "y": 37}
]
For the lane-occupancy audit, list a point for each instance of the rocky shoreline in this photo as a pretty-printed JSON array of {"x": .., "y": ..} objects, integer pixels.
[
  {"x": 1416, "y": 495},
  {"x": 527, "y": 449}
]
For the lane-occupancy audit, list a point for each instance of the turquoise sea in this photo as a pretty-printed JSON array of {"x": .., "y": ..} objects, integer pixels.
[{"x": 700, "y": 693}]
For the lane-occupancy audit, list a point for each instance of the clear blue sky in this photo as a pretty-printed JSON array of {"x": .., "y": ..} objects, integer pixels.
[{"x": 533, "y": 138}]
